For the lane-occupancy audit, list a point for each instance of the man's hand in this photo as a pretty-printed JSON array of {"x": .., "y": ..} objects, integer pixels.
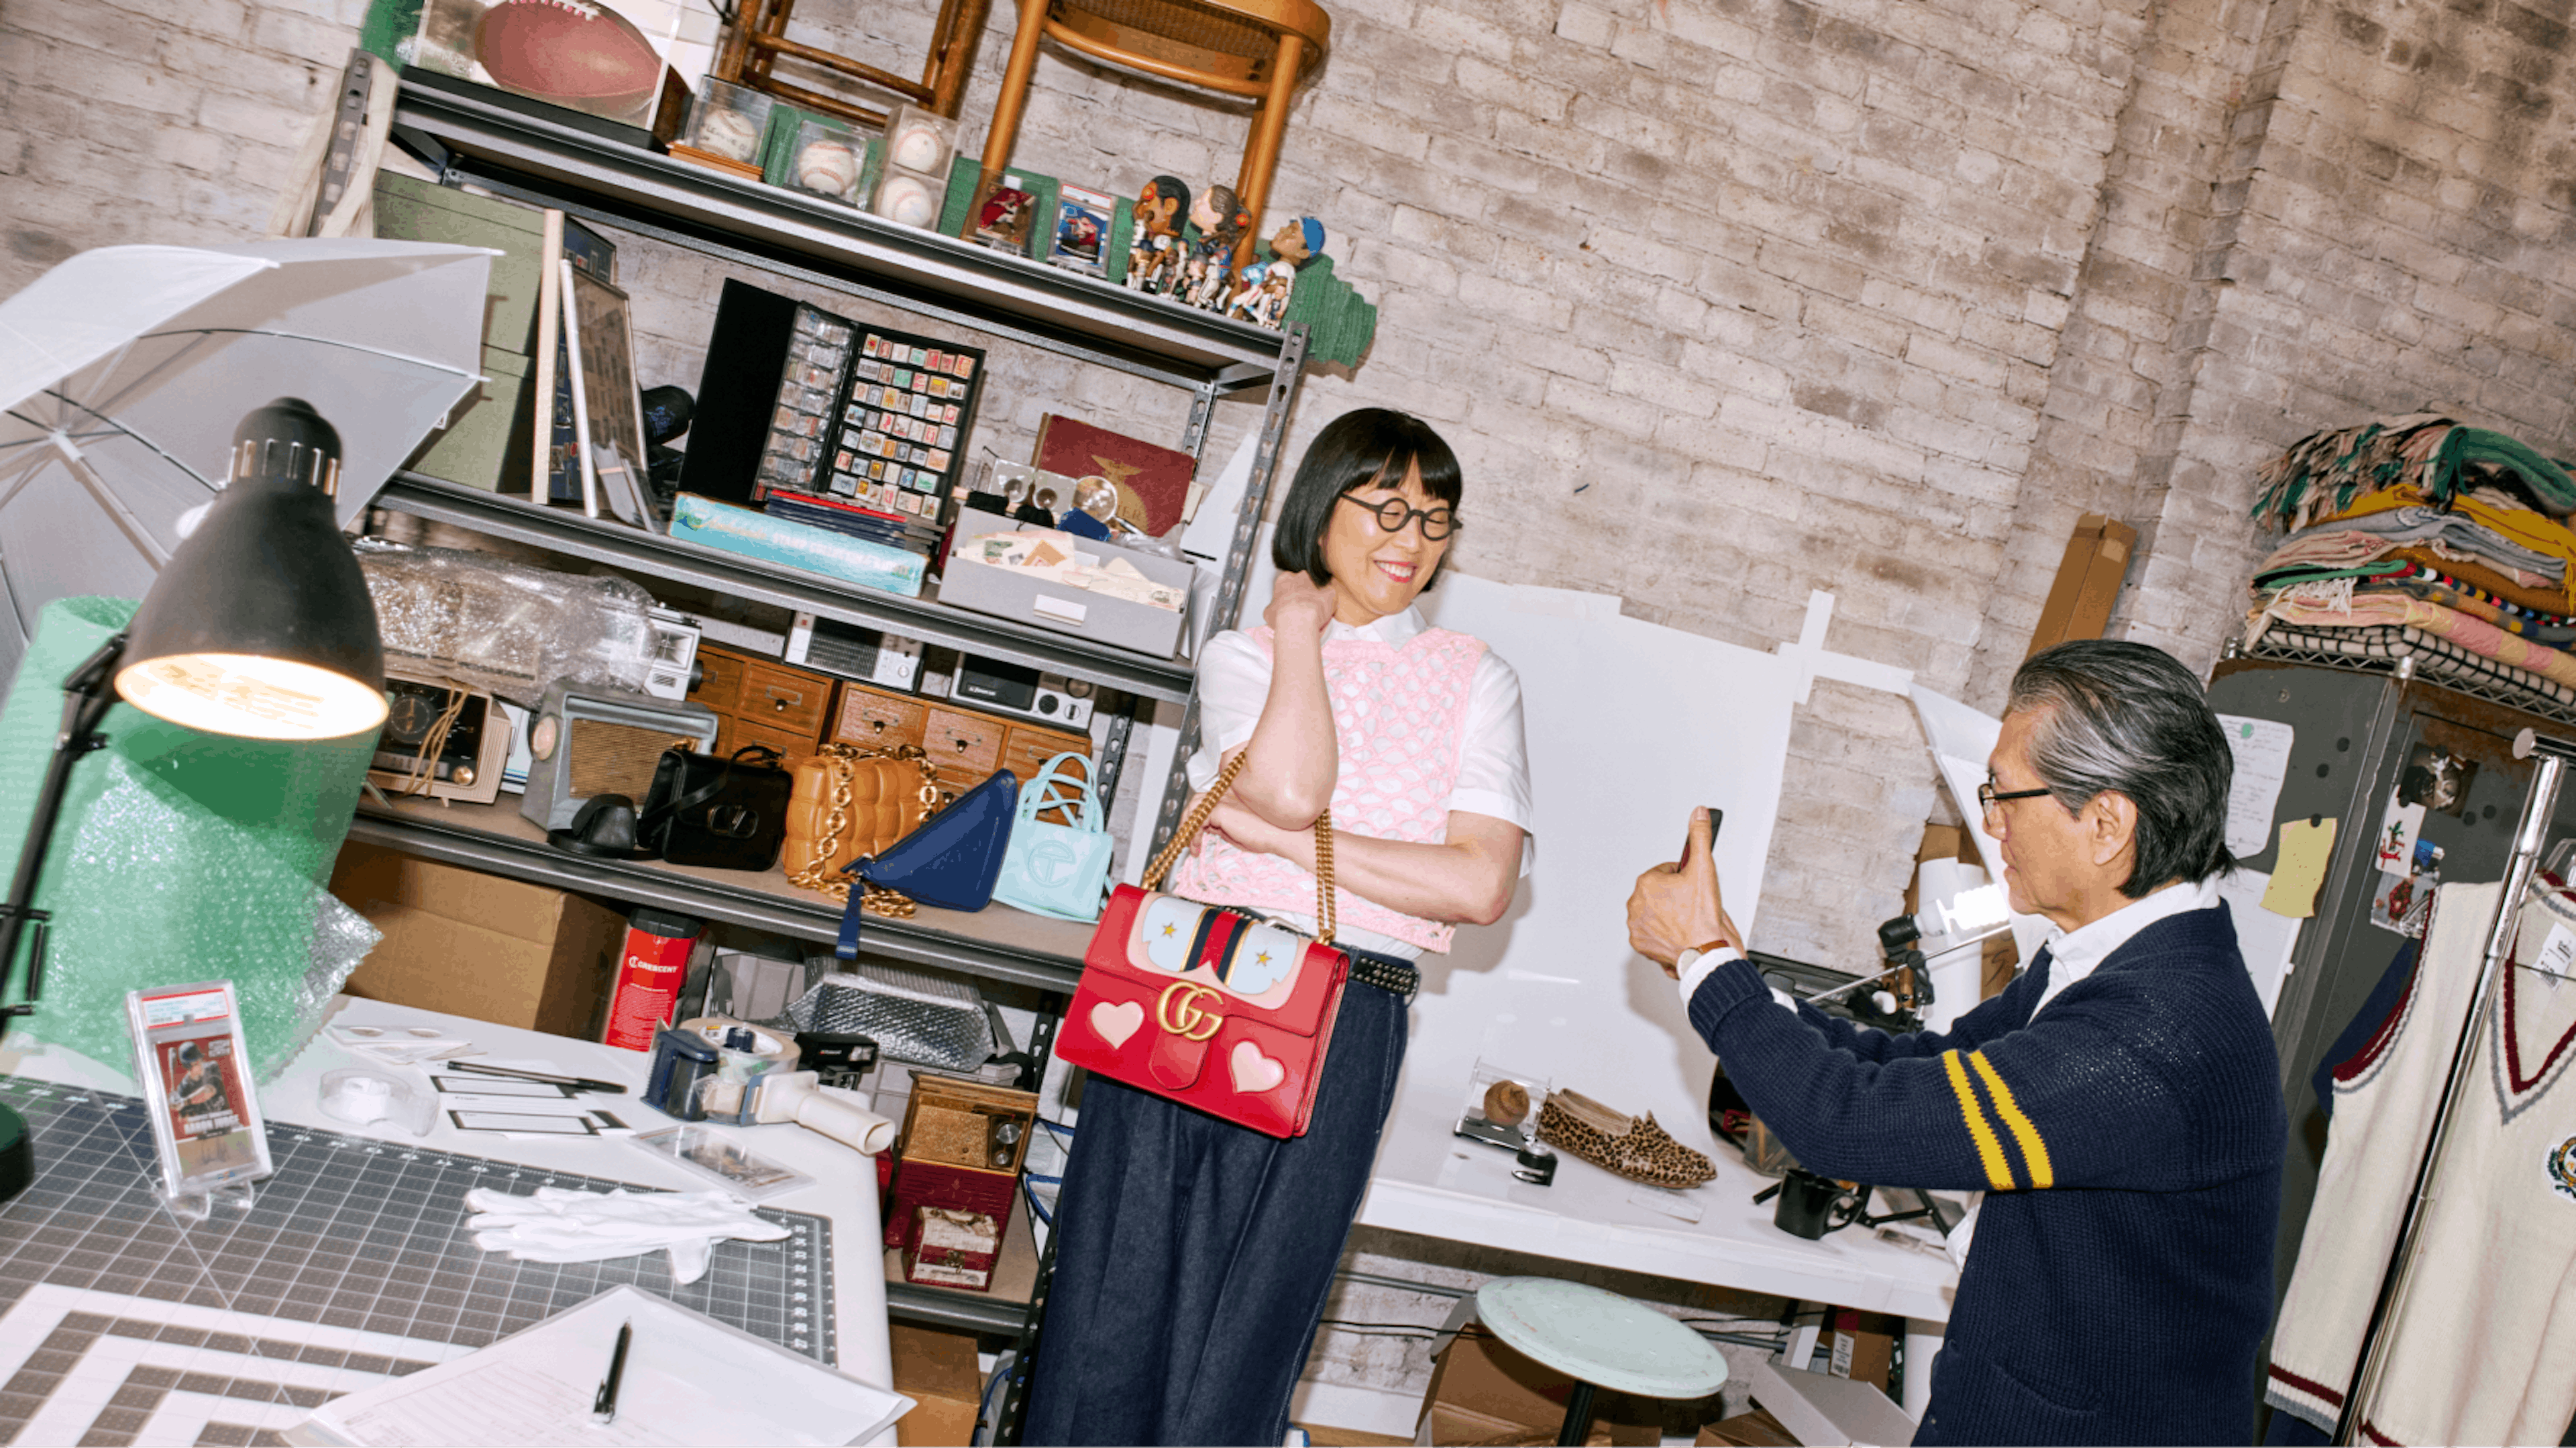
[
  {"x": 1676, "y": 907},
  {"x": 1299, "y": 607}
]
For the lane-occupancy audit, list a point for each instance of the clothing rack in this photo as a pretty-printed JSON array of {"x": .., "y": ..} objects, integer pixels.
[{"x": 2538, "y": 804}]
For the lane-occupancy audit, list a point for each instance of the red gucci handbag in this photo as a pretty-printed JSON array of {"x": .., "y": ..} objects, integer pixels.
[{"x": 1207, "y": 1006}]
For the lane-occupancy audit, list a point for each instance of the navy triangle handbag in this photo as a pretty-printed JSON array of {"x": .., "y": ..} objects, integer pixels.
[{"x": 950, "y": 861}]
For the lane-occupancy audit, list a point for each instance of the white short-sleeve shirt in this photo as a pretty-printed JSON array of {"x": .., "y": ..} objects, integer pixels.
[{"x": 1493, "y": 757}]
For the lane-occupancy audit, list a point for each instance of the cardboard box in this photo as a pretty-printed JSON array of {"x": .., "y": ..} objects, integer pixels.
[
  {"x": 477, "y": 945},
  {"x": 1862, "y": 1345},
  {"x": 1483, "y": 1392},
  {"x": 1015, "y": 594},
  {"x": 938, "y": 1371},
  {"x": 1821, "y": 1408},
  {"x": 1756, "y": 1429},
  {"x": 2088, "y": 582}
]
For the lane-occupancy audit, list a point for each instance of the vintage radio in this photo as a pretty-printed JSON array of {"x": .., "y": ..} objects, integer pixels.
[
  {"x": 853, "y": 652},
  {"x": 1018, "y": 689},
  {"x": 442, "y": 740},
  {"x": 586, "y": 741}
]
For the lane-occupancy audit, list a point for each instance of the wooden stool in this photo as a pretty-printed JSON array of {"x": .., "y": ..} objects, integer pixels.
[
  {"x": 1258, "y": 49},
  {"x": 1602, "y": 1339},
  {"x": 759, "y": 37}
]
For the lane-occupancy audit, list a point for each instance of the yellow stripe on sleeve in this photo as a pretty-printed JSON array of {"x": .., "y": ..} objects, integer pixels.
[
  {"x": 1990, "y": 1150},
  {"x": 2034, "y": 1152}
]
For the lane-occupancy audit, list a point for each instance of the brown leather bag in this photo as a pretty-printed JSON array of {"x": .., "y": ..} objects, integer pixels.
[{"x": 851, "y": 803}]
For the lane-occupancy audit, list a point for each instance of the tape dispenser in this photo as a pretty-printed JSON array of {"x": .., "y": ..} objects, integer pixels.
[{"x": 716, "y": 1069}]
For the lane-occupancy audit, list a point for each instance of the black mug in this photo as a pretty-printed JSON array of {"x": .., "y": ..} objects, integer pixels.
[{"x": 1810, "y": 1205}]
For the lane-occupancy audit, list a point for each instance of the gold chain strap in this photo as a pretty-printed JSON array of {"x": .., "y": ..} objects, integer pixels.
[
  {"x": 874, "y": 899},
  {"x": 1196, "y": 820}
]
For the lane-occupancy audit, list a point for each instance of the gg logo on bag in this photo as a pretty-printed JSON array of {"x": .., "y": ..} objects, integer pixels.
[{"x": 1178, "y": 1012}]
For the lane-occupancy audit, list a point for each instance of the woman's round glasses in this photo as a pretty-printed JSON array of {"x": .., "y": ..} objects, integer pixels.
[{"x": 1393, "y": 514}]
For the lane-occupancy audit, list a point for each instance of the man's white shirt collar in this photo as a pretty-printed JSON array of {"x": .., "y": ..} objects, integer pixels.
[{"x": 2073, "y": 954}]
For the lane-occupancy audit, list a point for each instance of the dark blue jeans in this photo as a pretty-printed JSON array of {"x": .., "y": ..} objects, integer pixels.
[{"x": 1192, "y": 1256}]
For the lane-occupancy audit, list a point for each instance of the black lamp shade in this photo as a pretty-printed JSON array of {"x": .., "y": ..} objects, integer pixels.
[{"x": 261, "y": 625}]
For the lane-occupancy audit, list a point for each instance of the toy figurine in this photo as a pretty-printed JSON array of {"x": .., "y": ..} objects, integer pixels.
[
  {"x": 1272, "y": 307},
  {"x": 1298, "y": 240},
  {"x": 1245, "y": 295},
  {"x": 1221, "y": 221},
  {"x": 1161, "y": 207}
]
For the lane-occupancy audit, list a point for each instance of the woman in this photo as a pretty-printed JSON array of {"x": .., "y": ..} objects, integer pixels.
[{"x": 1192, "y": 1255}]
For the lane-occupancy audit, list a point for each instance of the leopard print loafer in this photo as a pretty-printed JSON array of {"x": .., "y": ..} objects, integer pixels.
[{"x": 1630, "y": 1146}]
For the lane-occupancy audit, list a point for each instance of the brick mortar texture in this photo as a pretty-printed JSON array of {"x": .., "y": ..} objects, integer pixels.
[{"x": 1721, "y": 301}]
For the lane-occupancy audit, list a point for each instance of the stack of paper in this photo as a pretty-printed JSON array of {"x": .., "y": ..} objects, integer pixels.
[{"x": 688, "y": 1379}]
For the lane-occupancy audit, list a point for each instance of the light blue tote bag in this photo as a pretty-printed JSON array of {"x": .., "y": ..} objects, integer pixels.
[{"x": 1052, "y": 869}]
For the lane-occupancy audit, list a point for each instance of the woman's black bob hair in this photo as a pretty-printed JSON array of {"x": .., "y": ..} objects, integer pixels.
[{"x": 1354, "y": 451}]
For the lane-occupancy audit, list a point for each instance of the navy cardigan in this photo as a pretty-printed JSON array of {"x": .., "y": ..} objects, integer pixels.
[{"x": 2130, "y": 1144}]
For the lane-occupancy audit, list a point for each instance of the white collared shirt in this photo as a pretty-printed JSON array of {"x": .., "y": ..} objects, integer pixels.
[{"x": 2072, "y": 955}]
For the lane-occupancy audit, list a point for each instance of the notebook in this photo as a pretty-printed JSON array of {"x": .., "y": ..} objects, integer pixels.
[{"x": 688, "y": 1380}]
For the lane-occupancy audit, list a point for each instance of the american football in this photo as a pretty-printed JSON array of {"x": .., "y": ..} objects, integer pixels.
[{"x": 565, "y": 50}]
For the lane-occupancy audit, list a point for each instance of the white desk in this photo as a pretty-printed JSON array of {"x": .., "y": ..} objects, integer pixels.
[
  {"x": 843, "y": 1190},
  {"x": 1436, "y": 1184}
]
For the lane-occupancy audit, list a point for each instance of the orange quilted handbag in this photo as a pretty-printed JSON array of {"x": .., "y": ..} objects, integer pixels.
[{"x": 849, "y": 804}]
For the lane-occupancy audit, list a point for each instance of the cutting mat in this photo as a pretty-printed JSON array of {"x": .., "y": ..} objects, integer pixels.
[{"x": 120, "y": 1326}]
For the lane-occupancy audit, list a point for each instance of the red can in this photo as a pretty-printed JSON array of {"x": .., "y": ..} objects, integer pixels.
[{"x": 650, "y": 970}]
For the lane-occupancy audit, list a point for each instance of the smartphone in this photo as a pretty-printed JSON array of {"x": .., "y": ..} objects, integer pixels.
[{"x": 1716, "y": 817}]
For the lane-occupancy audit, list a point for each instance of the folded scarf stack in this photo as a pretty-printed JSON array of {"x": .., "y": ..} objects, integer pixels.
[
  {"x": 2418, "y": 528},
  {"x": 2322, "y": 473}
]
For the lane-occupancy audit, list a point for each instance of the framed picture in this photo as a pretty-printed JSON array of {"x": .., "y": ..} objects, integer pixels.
[{"x": 611, "y": 404}]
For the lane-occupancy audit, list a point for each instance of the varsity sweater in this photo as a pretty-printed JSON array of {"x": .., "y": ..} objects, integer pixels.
[{"x": 2130, "y": 1143}]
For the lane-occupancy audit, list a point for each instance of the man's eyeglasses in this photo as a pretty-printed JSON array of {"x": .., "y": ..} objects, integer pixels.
[
  {"x": 1393, "y": 514},
  {"x": 1988, "y": 797}
]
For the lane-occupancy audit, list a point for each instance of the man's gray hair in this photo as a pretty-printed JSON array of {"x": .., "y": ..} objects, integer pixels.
[{"x": 2123, "y": 718}]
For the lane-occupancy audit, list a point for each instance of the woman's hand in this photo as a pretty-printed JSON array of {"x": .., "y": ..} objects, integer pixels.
[
  {"x": 1299, "y": 607},
  {"x": 1251, "y": 832}
]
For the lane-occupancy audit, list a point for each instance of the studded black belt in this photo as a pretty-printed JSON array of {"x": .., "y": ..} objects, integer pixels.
[{"x": 1397, "y": 978}]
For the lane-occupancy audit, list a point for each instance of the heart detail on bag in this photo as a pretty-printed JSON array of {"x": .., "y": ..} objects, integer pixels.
[
  {"x": 1253, "y": 1071},
  {"x": 1116, "y": 1023}
]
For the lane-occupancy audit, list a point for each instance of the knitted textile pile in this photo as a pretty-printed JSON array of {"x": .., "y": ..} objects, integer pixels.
[{"x": 2418, "y": 535}]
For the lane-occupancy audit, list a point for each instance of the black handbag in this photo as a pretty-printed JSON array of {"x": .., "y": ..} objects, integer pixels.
[{"x": 725, "y": 813}]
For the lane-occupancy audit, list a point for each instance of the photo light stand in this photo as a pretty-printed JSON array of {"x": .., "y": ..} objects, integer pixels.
[{"x": 87, "y": 695}]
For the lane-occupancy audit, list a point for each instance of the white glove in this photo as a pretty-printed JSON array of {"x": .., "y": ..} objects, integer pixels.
[{"x": 560, "y": 1225}]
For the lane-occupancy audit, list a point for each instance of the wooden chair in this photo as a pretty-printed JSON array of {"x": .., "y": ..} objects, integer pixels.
[
  {"x": 1259, "y": 49},
  {"x": 753, "y": 45}
]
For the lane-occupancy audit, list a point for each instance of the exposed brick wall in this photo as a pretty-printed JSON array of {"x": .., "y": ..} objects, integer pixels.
[{"x": 1721, "y": 300}]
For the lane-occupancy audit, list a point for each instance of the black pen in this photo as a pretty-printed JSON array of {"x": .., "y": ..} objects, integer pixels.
[
  {"x": 578, "y": 1083},
  {"x": 603, "y": 1408}
]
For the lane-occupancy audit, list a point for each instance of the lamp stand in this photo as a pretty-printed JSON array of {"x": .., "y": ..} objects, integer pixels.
[{"x": 87, "y": 695}]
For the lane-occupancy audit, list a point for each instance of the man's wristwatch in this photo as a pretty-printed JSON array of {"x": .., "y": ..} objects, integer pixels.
[{"x": 1682, "y": 962}]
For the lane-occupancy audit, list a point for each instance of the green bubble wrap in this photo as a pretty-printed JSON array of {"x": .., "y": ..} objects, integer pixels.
[{"x": 180, "y": 856}]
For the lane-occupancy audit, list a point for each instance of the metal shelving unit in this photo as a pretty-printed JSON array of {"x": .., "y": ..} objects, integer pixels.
[
  {"x": 472, "y": 135},
  {"x": 603, "y": 540}
]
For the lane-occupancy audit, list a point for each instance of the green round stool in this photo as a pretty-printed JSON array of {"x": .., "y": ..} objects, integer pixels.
[{"x": 1602, "y": 1339}]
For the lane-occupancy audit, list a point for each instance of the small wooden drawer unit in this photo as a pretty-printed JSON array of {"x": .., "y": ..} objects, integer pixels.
[
  {"x": 873, "y": 719},
  {"x": 762, "y": 701},
  {"x": 963, "y": 745}
]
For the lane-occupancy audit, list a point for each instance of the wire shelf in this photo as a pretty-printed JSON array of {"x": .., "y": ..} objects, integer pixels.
[{"x": 2380, "y": 648}]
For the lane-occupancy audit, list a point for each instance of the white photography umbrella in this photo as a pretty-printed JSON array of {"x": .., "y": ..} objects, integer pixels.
[{"x": 124, "y": 371}]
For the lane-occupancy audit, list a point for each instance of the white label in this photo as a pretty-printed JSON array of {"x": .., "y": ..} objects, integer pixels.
[
  {"x": 2397, "y": 835},
  {"x": 170, "y": 1010},
  {"x": 2557, "y": 956},
  {"x": 1065, "y": 609}
]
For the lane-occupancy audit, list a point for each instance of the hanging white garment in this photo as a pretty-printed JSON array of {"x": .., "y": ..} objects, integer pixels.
[{"x": 2482, "y": 1348}]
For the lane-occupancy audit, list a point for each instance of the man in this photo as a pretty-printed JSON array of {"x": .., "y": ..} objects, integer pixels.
[{"x": 2118, "y": 1104}]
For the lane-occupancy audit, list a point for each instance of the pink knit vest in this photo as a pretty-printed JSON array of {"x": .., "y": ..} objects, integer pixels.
[{"x": 1399, "y": 716}]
